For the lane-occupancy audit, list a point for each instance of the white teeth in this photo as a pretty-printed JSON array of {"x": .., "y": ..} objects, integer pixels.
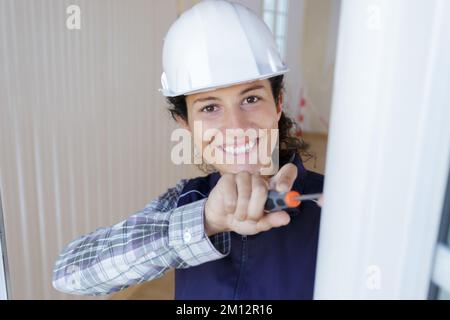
[{"x": 241, "y": 149}]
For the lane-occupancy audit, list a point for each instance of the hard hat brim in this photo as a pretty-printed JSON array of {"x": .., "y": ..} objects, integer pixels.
[{"x": 168, "y": 93}]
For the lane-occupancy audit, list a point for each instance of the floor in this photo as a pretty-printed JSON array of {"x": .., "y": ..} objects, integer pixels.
[{"x": 163, "y": 288}]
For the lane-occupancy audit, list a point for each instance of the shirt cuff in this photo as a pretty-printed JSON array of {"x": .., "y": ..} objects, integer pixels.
[{"x": 188, "y": 238}]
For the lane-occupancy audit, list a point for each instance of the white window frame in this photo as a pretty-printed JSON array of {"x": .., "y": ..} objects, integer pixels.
[{"x": 388, "y": 151}]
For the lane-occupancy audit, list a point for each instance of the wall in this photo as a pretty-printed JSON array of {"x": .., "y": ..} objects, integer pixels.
[
  {"x": 320, "y": 26},
  {"x": 84, "y": 134}
]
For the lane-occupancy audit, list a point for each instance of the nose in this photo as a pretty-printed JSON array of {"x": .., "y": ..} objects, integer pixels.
[{"x": 236, "y": 118}]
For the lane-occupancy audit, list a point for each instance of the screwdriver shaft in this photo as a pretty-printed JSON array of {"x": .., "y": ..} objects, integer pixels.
[{"x": 311, "y": 196}]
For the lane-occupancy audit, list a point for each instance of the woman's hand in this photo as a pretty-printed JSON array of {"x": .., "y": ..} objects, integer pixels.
[
  {"x": 237, "y": 201},
  {"x": 320, "y": 201}
]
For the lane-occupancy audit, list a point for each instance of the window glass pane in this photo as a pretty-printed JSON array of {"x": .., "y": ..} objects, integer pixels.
[
  {"x": 269, "y": 5},
  {"x": 443, "y": 295},
  {"x": 280, "y": 45},
  {"x": 269, "y": 20},
  {"x": 282, "y": 6},
  {"x": 444, "y": 232},
  {"x": 444, "y": 238},
  {"x": 281, "y": 26},
  {"x": 446, "y": 222}
]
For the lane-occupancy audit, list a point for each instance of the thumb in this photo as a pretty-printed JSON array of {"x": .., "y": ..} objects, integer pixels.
[
  {"x": 273, "y": 220},
  {"x": 284, "y": 179}
]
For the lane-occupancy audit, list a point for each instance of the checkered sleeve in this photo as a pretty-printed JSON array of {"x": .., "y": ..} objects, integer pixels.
[{"x": 140, "y": 248}]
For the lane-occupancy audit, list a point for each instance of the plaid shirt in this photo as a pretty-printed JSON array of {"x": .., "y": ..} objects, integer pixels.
[{"x": 139, "y": 249}]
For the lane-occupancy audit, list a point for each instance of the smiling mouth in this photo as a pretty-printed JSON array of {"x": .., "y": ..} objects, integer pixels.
[{"x": 238, "y": 150}]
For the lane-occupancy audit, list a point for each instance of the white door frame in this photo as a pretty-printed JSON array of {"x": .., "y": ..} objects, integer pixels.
[{"x": 388, "y": 151}]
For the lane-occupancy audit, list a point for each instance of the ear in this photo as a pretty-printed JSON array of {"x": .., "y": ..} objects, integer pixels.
[
  {"x": 182, "y": 122},
  {"x": 280, "y": 105}
]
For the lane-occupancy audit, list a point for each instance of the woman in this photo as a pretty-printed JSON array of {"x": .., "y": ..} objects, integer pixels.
[{"x": 222, "y": 70}]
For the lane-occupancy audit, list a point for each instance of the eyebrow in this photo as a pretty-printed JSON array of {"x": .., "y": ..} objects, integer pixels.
[
  {"x": 205, "y": 99},
  {"x": 255, "y": 87}
]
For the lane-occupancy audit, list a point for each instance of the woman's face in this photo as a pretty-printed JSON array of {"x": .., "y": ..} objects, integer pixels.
[{"x": 244, "y": 106}]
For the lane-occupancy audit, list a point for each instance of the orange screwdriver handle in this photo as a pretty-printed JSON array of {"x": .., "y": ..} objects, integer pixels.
[{"x": 279, "y": 201}]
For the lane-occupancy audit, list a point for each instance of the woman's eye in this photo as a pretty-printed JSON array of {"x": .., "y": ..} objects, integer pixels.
[
  {"x": 251, "y": 99},
  {"x": 210, "y": 108}
]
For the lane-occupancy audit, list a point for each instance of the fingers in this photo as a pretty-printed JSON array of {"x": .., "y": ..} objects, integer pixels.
[
  {"x": 284, "y": 179},
  {"x": 244, "y": 196},
  {"x": 244, "y": 190},
  {"x": 257, "y": 199},
  {"x": 228, "y": 187},
  {"x": 273, "y": 220}
]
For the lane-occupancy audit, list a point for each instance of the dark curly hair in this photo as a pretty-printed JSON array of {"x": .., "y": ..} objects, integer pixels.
[{"x": 290, "y": 143}]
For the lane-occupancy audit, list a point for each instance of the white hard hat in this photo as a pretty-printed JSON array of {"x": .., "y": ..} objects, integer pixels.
[{"x": 215, "y": 44}]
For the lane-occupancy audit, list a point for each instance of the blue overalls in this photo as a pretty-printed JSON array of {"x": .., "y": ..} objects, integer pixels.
[{"x": 276, "y": 264}]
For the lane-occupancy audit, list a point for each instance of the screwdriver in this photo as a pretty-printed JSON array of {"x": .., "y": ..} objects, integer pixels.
[{"x": 279, "y": 201}]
